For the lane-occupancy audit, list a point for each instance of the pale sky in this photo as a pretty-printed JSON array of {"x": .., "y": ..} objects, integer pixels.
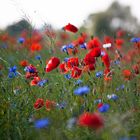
[{"x": 56, "y": 12}]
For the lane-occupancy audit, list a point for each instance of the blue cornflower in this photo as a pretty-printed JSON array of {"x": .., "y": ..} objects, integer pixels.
[
  {"x": 42, "y": 123},
  {"x": 135, "y": 39},
  {"x": 64, "y": 48},
  {"x": 78, "y": 82},
  {"x": 21, "y": 40},
  {"x": 99, "y": 74},
  {"x": 67, "y": 76},
  {"x": 104, "y": 108},
  {"x": 42, "y": 82},
  {"x": 38, "y": 57},
  {"x": 82, "y": 90},
  {"x": 83, "y": 46},
  {"x": 66, "y": 59},
  {"x": 13, "y": 69},
  {"x": 12, "y": 72},
  {"x": 70, "y": 46}
]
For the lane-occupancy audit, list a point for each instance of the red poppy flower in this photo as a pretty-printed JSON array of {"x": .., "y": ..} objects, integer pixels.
[
  {"x": 63, "y": 68},
  {"x": 52, "y": 64},
  {"x": 108, "y": 39},
  {"x": 50, "y": 105},
  {"x": 36, "y": 47},
  {"x": 39, "y": 103},
  {"x": 95, "y": 42},
  {"x": 127, "y": 74},
  {"x": 89, "y": 59},
  {"x": 35, "y": 81},
  {"x": 76, "y": 72},
  {"x": 91, "y": 67},
  {"x": 82, "y": 39},
  {"x": 72, "y": 62},
  {"x": 23, "y": 63},
  {"x": 119, "y": 43},
  {"x": 106, "y": 60},
  {"x": 95, "y": 52},
  {"x": 71, "y": 28},
  {"x": 91, "y": 120}
]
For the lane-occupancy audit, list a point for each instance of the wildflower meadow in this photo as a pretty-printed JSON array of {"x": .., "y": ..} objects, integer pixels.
[{"x": 69, "y": 85}]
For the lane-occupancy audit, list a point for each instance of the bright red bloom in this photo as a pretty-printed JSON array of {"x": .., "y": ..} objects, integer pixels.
[
  {"x": 95, "y": 42},
  {"x": 89, "y": 59},
  {"x": 119, "y": 41},
  {"x": 106, "y": 60},
  {"x": 72, "y": 62},
  {"x": 95, "y": 52},
  {"x": 91, "y": 120},
  {"x": 35, "y": 81},
  {"x": 71, "y": 28},
  {"x": 52, "y": 64},
  {"x": 91, "y": 67},
  {"x": 50, "y": 105},
  {"x": 107, "y": 39},
  {"x": 82, "y": 39},
  {"x": 127, "y": 74},
  {"x": 36, "y": 47},
  {"x": 23, "y": 63},
  {"x": 76, "y": 72},
  {"x": 63, "y": 68},
  {"x": 39, "y": 103}
]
